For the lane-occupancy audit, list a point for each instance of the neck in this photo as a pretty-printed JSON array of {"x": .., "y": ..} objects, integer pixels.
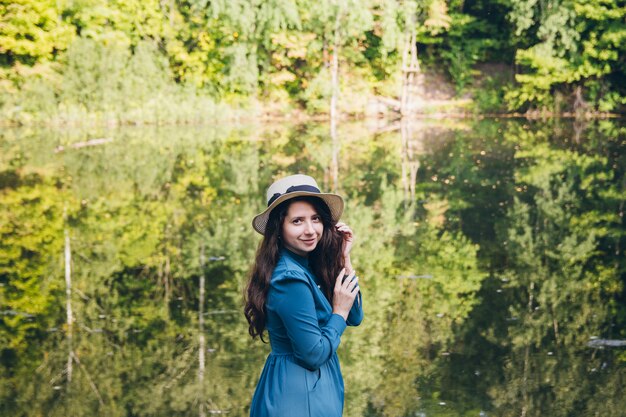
[{"x": 304, "y": 255}]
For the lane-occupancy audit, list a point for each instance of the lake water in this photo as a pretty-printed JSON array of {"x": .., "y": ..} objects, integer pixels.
[{"x": 491, "y": 257}]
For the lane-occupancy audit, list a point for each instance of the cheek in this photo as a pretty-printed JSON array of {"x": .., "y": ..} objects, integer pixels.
[{"x": 289, "y": 231}]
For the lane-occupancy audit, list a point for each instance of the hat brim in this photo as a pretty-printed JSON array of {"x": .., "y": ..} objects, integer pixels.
[{"x": 333, "y": 201}]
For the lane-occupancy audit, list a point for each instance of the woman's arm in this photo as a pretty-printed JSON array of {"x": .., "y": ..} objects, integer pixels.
[{"x": 292, "y": 300}]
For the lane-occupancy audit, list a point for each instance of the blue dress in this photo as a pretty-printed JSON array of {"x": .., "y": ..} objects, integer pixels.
[{"x": 301, "y": 377}]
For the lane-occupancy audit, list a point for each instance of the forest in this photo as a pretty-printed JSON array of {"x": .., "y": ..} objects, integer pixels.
[{"x": 185, "y": 61}]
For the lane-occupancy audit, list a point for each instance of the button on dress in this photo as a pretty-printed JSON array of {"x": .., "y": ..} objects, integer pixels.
[{"x": 301, "y": 376}]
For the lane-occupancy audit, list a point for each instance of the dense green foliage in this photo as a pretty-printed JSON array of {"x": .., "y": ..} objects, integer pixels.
[
  {"x": 152, "y": 61},
  {"x": 489, "y": 256}
]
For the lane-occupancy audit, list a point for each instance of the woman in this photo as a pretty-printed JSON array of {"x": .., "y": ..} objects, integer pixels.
[{"x": 304, "y": 292}]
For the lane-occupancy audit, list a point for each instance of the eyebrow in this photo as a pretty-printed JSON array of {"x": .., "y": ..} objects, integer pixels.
[{"x": 303, "y": 217}]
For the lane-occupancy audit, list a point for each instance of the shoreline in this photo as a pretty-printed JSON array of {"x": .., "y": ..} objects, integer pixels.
[{"x": 300, "y": 116}]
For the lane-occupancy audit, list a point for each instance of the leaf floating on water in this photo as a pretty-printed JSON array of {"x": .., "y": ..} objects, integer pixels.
[
  {"x": 598, "y": 343},
  {"x": 78, "y": 145}
]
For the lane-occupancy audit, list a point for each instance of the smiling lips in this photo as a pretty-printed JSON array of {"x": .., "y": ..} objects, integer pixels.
[{"x": 309, "y": 241}]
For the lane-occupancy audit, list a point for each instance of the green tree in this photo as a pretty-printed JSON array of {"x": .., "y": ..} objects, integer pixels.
[
  {"x": 32, "y": 32},
  {"x": 570, "y": 52}
]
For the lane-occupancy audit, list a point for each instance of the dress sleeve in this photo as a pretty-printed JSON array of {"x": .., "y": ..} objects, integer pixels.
[
  {"x": 313, "y": 345},
  {"x": 355, "y": 316}
]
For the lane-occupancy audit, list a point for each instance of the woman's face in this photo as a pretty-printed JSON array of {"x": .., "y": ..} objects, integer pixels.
[{"x": 302, "y": 228}]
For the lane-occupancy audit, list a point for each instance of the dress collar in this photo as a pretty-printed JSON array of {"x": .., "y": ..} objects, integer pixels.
[{"x": 299, "y": 259}]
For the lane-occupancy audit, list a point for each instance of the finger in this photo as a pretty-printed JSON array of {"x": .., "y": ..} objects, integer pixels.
[
  {"x": 354, "y": 283},
  {"x": 340, "y": 278},
  {"x": 349, "y": 278},
  {"x": 345, "y": 231},
  {"x": 344, "y": 228}
]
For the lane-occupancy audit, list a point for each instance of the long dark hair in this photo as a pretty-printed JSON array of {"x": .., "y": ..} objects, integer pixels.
[{"x": 325, "y": 261}]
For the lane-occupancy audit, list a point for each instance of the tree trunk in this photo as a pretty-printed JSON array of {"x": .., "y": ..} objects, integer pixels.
[
  {"x": 411, "y": 150},
  {"x": 580, "y": 105},
  {"x": 410, "y": 68},
  {"x": 333, "y": 104},
  {"x": 201, "y": 340},
  {"x": 166, "y": 284},
  {"x": 68, "y": 303}
]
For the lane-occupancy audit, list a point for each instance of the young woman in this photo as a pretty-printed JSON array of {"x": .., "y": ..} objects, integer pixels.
[{"x": 304, "y": 292}]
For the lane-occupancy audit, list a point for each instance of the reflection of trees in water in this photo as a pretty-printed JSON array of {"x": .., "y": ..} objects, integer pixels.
[
  {"x": 565, "y": 280},
  {"x": 412, "y": 148},
  {"x": 419, "y": 140},
  {"x": 488, "y": 258},
  {"x": 135, "y": 261},
  {"x": 555, "y": 279},
  {"x": 438, "y": 279}
]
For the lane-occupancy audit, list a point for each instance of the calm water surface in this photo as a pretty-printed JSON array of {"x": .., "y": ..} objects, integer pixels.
[{"x": 491, "y": 256}]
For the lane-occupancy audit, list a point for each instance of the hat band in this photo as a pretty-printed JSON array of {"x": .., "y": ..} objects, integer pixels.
[{"x": 292, "y": 189}]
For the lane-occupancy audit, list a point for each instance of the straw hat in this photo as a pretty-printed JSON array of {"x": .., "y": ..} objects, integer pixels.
[{"x": 291, "y": 187}]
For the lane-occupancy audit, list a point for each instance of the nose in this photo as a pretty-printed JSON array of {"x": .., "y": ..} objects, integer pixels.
[{"x": 309, "y": 230}]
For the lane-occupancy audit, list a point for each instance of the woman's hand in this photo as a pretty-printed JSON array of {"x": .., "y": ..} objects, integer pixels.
[
  {"x": 345, "y": 292},
  {"x": 348, "y": 238}
]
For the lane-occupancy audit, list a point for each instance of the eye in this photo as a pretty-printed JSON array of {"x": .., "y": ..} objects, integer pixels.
[
  {"x": 296, "y": 221},
  {"x": 317, "y": 219}
]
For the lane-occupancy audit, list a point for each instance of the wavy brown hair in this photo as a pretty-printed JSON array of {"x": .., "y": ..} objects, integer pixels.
[{"x": 325, "y": 261}]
